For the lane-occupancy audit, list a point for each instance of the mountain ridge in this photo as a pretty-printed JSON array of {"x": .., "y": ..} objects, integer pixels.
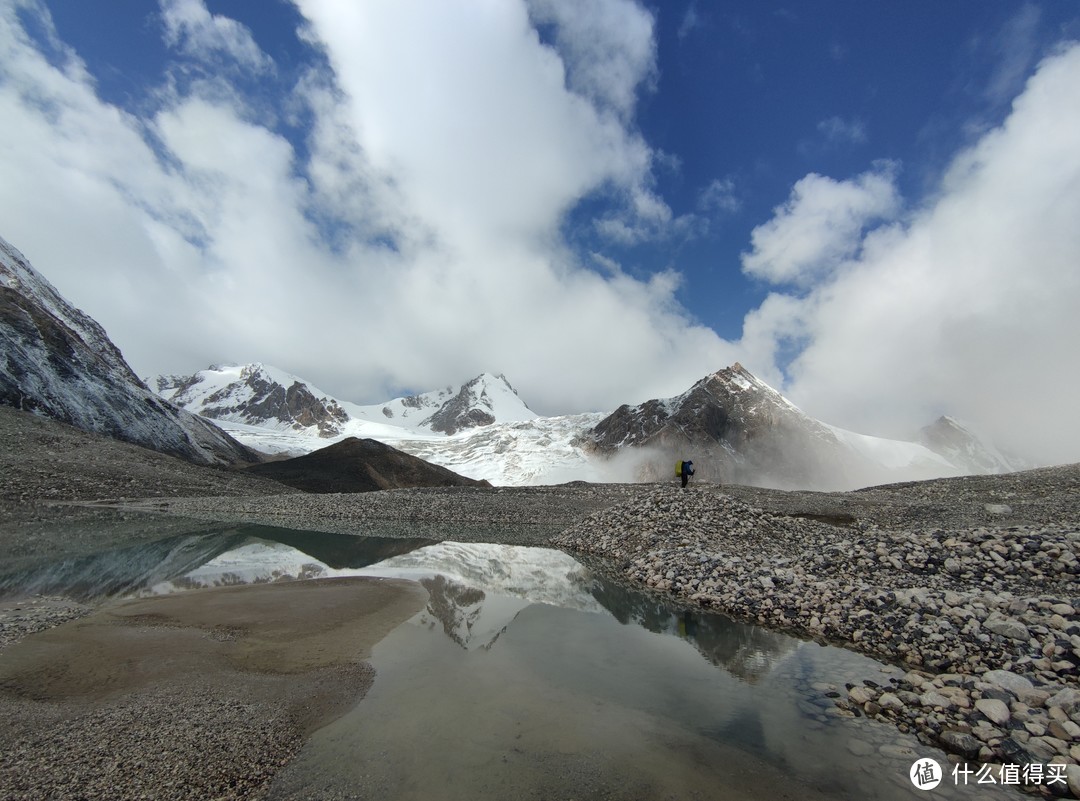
[
  {"x": 740, "y": 430},
  {"x": 736, "y": 427},
  {"x": 265, "y": 396},
  {"x": 58, "y": 362},
  {"x": 359, "y": 465}
]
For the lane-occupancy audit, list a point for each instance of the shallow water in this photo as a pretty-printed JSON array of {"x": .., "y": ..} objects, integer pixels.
[
  {"x": 528, "y": 676},
  {"x": 597, "y": 692}
]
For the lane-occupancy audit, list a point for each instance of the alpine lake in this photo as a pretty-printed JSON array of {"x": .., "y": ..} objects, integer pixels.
[{"x": 530, "y": 675}]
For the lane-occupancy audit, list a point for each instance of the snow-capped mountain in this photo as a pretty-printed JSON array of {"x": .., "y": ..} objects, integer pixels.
[
  {"x": 266, "y": 397},
  {"x": 948, "y": 437},
  {"x": 59, "y": 363},
  {"x": 737, "y": 429},
  {"x": 481, "y": 429},
  {"x": 475, "y": 589},
  {"x": 254, "y": 394}
]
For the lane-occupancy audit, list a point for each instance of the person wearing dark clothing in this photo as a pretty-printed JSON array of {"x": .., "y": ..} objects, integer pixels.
[{"x": 684, "y": 470}]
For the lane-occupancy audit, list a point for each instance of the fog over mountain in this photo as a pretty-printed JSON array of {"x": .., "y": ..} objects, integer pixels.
[
  {"x": 59, "y": 363},
  {"x": 735, "y": 427},
  {"x": 601, "y": 204}
]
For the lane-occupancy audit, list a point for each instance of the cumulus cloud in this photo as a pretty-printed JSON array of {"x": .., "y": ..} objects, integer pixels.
[
  {"x": 1014, "y": 50},
  {"x": 820, "y": 225},
  {"x": 411, "y": 242},
  {"x": 402, "y": 230},
  {"x": 607, "y": 46},
  {"x": 966, "y": 306}
]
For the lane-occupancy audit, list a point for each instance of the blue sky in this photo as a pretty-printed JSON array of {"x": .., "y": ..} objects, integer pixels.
[{"x": 870, "y": 205}]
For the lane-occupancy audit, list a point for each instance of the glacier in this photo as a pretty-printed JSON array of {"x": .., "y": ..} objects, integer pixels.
[{"x": 483, "y": 430}]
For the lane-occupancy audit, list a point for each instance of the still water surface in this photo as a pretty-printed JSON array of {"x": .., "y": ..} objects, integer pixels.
[{"x": 529, "y": 676}]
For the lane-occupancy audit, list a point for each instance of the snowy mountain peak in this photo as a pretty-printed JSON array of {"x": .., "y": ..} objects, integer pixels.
[
  {"x": 958, "y": 443},
  {"x": 482, "y": 401},
  {"x": 254, "y": 394},
  {"x": 263, "y": 396},
  {"x": 738, "y": 429},
  {"x": 737, "y": 379}
]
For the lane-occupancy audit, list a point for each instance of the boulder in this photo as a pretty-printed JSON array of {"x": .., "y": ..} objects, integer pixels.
[
  {"x": 1007, "y": 627},
  {"x": 994, "y": 710},
  {"x": 1072, "y": 776},
  {"x": 890, "y": 701},
  {"x": 1008, "y": 680},
  {"x": 860, "y": 695},
  {"x": 961, "y": 743}
]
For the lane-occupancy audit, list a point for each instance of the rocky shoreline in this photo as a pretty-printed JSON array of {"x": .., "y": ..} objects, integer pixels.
[
  {"x": 984, "y": 617},
  {"x": 970, "y": 585}
]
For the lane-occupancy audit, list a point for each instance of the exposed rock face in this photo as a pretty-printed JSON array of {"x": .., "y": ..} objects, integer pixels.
[
  {"x": 474, "y": 405},
  {"x": 736, "y": 429},
  {"x": 59, "y": 363},
  {"x": 255, "y": 395},
  {"x": 264, "y": 396},
  {"x": 360, "y": 465}
]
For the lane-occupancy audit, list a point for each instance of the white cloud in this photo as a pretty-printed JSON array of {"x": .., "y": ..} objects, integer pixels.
[
  {"x": 211, "y": 38},
  {"x": 471, "y": 115},
  {"x": 607, "y": 46},
  {"x": 690, "y": 21},
  {"x": 1014, "y": 50},
  {"x": 414, "y": 240},
  {"x": 820, "y": 226},
  {"x": 968, "y": 307},
  {"x": 720, "y": 197},
  {"x": 412, "y": 243}
]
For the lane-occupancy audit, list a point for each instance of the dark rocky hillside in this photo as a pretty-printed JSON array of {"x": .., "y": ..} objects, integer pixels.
[{"x": 360, "y": 465}]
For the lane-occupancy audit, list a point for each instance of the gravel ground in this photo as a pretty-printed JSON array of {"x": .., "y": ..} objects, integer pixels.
[
  {"x": 201, "y": 695},
  {"x": 970, "y": 584}
]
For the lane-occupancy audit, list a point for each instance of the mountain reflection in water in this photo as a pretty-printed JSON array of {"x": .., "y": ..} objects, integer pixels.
[
  {"x": 744, "y": 650},
  {"x": 175, "y": 562},
  {"x": 562, "y": 674},
  {"x": 476, "y": 589}
]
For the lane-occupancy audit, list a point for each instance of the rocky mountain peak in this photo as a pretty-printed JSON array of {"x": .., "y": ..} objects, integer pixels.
[
  {"x": 254, "y": 394},
  {"x": 479, "y": 402},
  {"x": 734, "y": 426},
  {"x": 728, "y": 403},
  {"x": 59, "y": 363}
]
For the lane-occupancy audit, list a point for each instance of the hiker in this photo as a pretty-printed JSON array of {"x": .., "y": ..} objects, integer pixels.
[{"x": 684, "y": 470}]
